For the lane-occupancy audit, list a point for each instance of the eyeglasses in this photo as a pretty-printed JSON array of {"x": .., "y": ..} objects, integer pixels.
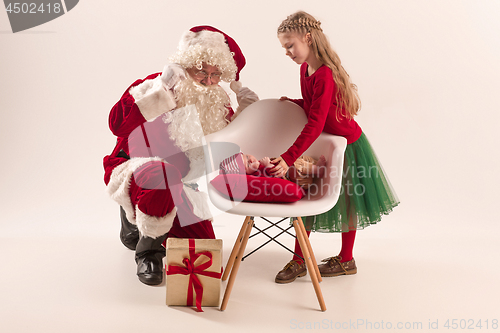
[{"x": 202, "y": 75}]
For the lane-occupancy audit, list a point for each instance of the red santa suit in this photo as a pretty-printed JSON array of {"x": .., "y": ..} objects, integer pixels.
[
  {"x": 150, "y": 186},
  {"x": 151, "y": 173}
]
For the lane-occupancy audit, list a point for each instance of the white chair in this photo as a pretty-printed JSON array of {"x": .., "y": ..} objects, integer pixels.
[{"x": 269, "y": 128}]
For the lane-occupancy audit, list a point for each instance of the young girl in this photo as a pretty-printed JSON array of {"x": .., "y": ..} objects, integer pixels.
[{"x": 330, "y": 102}]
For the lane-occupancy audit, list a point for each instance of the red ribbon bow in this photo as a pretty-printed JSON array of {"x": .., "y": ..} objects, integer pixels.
[{"x": 192, "y": 270}]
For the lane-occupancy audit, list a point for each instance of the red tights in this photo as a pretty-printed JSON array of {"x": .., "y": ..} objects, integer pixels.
[{"x": 345, "y": 251}]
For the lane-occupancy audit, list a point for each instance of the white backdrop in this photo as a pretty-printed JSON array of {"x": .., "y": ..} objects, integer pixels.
[{"x": 427, "y": 73}]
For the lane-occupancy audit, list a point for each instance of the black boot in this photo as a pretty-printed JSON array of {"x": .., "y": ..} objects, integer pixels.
[
  {"x": 129, "y": 235},
  {"x": 149, "y": 255}
]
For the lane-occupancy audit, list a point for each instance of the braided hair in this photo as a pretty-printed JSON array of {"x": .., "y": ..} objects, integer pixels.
[{"x": 302, "y": 23}]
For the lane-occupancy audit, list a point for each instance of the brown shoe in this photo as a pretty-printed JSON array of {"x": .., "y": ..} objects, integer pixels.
[
  {"x": 290, "y": 272},
  {"x": 333, "y": 267}
]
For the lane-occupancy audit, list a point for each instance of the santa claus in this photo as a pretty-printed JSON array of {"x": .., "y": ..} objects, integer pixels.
[{"x": 159, "y": 123}]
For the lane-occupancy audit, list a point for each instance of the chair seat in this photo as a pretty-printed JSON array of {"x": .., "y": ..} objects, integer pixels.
[
  {"x": 269, "y": 128},
  {"x": 320, "y": 198},
  {"x": 304, "y": 207}
]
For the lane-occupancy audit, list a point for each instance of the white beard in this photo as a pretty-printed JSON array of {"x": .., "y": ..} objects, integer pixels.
[
  {"x": 188, "y": 124},
  {"x": 212, "y": 103}
]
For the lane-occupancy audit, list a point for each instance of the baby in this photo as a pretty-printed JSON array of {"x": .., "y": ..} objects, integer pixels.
[{"x": 302, "y": 172}]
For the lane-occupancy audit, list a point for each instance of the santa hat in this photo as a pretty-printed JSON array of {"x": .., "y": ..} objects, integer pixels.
[
  {"x": 212, "y": 46},
  {"x": 233, "y": 165}
]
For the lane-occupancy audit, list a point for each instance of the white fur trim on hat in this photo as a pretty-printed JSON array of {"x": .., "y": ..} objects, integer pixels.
[
  {"x": 154, "y": 226},
  {"x": 152, "y": 98},
  {"x": 209, "y": 47}
]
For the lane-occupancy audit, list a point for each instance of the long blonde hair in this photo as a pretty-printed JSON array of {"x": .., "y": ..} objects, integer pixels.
[{"x": 347, "y": 99}]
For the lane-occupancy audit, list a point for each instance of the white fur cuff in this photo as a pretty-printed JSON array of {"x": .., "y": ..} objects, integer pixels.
[
  {"x": 119, "y": 184},
  {"x": 153, "y": 226},
  {"x": 245, "y": 97},
  {"x": 152, "y": 98}
]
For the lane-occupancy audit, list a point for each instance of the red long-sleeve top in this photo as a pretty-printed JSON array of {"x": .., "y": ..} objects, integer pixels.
[{"x": 318, "y": 101}]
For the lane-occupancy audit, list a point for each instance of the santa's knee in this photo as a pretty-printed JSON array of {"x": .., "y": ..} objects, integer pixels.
[
  {"x": 152, "y": 225},
  {"x": 155, "y": 198},
  {"x": 157, "y": 175}
]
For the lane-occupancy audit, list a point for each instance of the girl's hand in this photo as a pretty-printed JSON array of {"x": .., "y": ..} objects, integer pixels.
[
  {"x": 280, "y": 169},
  {"x": 284, "y": 98}
]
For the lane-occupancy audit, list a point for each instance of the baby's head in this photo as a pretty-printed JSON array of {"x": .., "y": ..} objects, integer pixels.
[
  {"x": 240, "y": 164},
  {"x": 251, "y": 163}
]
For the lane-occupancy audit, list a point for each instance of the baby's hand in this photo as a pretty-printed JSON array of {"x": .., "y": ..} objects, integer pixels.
[
  {"x": 266, "y": 162},
  {"x": 284, "y": 98}
]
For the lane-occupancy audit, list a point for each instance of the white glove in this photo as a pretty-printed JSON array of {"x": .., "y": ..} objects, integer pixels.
[
  {"x": 244, "y": 96},
  {"x": 235, "y": 86},
  {"x": 172, "y": 74}
]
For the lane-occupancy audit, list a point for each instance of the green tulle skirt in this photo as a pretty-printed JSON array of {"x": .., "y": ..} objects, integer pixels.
[{"x": 365, "y": 196}]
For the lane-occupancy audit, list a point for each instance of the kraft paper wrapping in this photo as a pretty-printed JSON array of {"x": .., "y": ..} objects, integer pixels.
[{"x": 178, "y": 284}]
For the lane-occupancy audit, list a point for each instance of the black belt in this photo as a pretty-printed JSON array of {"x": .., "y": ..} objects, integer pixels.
[
  {"x": 123, "y": 154},
  {"x": 193, "y": 186}
]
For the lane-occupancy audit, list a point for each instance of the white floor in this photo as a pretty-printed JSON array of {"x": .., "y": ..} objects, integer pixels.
[{"x": 76, "y": 279}]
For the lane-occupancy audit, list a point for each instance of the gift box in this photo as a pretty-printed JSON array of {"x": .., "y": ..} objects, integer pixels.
[{"x": 193, "y": 272}]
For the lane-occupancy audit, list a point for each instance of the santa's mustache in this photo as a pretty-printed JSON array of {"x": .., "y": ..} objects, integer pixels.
[
  {"x": 188, "y": 90},
  {"x": 212, "y": 103}
]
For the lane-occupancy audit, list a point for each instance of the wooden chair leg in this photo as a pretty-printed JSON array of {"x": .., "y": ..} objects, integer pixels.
[
  {"x": 235, "y": 249},
  {"x": 237, "y": 263},
  {"x": 308, "y": 243},
  {"x": 310, "y": 265}
]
